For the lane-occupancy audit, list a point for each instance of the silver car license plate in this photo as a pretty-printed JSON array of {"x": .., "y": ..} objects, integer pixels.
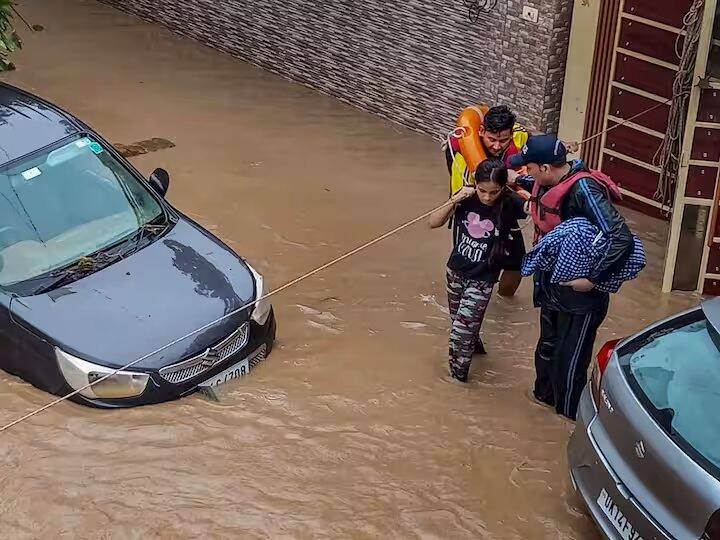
[{"x": 616, "y": 517}]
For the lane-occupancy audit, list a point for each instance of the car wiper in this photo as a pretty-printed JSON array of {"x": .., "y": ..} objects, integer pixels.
[
  {"x": 58, "y": 279},
  {"x": 98, "y": 260},
  {"x": 84, "y": 266},
  {"x": 146, "y": 231}
]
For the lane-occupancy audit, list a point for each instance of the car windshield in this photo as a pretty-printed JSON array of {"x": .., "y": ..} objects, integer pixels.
[
  {"x": 65, "y": 204},
  {"x": 678, "y": 373}
]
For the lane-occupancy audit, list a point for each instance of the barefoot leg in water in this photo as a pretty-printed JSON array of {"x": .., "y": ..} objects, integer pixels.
[{"x": 509, "y": 283}]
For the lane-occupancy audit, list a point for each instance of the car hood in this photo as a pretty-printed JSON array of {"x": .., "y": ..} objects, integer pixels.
[{"x": 181, "y": 282}]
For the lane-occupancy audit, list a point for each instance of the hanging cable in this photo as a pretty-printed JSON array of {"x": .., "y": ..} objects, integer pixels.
[{"x": 668, "y": 155}]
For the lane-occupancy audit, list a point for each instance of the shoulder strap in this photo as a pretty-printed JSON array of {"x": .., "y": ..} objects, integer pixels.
[{"x": 612, "y": 189}]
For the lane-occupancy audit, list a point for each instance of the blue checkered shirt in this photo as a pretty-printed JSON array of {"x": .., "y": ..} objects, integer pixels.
[{"x": 573, "y": 250}]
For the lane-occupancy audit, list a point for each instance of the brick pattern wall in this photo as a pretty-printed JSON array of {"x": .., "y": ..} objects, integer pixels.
[
  {"x": 558, "y": 52},
  {"x": 416, "y": 62}
]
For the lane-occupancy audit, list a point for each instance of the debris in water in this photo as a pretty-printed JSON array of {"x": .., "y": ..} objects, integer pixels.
[
  {"x": 324, "y": 327},
  {"x": 322, "y": 315},
  {"x": 143, "y": 147},
  {"x": 429, "y": 299},
  {"x": 210, "y": 393},
  {"x": 413, "y": 325}
]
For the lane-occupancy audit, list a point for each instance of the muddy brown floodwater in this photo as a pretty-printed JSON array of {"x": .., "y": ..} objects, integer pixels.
[{"x": 350, "y": 429}]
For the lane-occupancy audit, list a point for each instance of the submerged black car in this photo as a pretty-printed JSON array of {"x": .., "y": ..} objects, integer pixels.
[{"x": 98, "y": 270}]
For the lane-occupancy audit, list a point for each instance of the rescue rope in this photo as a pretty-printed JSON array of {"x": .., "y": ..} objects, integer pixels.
[
  {"x": 626, "y": 121},
  {"x": 232, "y": 313},
  {"x": 668, "y": 155},
  {"x": 287, "y": 285},
  {"x": 459, "y": 132}
]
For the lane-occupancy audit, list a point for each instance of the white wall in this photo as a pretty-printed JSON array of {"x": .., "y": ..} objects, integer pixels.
[{"x": 583, "y": 32}]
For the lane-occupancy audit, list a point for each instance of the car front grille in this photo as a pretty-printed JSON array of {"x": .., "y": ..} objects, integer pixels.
[
  {"x": 258, "y": 356},
  {"x": 187, "y": 369}
]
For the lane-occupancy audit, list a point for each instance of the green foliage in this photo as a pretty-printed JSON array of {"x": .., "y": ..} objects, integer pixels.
[{"x": 9, "y": 39}]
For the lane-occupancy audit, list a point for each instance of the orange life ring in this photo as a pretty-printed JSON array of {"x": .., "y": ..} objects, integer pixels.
[
  {"x": 469, "y": 125},
  {"x": 467, "y": 132}
]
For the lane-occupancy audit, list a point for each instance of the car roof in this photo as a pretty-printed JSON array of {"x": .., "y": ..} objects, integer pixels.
[{"x": 28, "y": 123}]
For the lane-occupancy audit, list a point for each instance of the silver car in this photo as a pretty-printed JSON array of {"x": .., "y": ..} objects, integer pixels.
[{"x": 645, "y": 454}]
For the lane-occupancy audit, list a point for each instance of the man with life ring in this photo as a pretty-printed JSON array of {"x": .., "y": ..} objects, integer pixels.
[
  {"x": 501, "y": 138},
  {"x": 570, "y": 313}
]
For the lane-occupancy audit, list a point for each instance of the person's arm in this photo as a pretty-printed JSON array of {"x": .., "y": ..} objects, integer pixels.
[
  {"x": 524, "y": 181},
  {"x": 520, "y": 180},
  {"x": 592, "y": 200},
  {"x": 441, "y": 216}
]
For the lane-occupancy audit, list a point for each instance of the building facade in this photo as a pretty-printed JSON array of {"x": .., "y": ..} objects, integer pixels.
[
  {"x": 627, "y": 91},
  {"x": 417, "y": 62}
]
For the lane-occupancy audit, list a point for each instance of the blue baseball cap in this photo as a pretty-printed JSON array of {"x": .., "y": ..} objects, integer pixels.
[{"x": 540, "y": 149}]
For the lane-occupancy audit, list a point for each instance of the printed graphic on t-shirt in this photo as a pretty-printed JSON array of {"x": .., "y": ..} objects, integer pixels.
[
  {"x": 477, "y": 227},
  {"x": 474, "y": 235},
  {"x": 473, "y": 239}
]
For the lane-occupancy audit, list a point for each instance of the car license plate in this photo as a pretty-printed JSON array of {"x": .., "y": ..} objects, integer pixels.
[
  {"x": 236, "y": 371},
  {"x": 616, "y": 517}
]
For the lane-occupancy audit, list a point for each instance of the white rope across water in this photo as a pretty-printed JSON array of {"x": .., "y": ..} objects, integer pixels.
[
  {"x": 287, "y": 285},
  {"x": 228, "y": 315}
]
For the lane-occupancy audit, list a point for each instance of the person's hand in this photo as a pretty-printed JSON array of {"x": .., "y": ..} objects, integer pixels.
[
  {"x": 572, "y": 147},
  {"x": 580, "y": 285},
  {"x": 464, "y": 193},
  {"x": 513, "y": 175}
]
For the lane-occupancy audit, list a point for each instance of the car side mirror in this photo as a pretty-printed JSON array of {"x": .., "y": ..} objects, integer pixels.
[{"x": 160, "y": 181}]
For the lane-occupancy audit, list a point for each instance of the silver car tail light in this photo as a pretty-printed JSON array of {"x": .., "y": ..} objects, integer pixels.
[{"x": 602, "y": 360}]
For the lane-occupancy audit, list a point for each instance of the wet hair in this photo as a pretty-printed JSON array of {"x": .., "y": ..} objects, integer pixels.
[
  {"x": 495, "y": 171},
  {"x": 498, "y": 119}
]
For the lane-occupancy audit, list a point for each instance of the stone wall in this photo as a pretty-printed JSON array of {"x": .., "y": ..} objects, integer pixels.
[
  {"x": 558, "y": 50},
  {"x": 416, "y": 62}
]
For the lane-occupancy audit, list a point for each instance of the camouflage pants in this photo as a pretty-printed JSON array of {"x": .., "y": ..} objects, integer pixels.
[{"x": 467, "y": 300}]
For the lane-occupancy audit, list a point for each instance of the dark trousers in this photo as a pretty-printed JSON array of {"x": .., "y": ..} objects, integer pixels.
[{"x": 563, "y": 355}]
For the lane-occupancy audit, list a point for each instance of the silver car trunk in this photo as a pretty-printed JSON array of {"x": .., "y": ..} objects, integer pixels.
[{"x": 655, "y": 468}]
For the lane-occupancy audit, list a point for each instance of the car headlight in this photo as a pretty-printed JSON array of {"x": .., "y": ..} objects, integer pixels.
[
  {"x": 79, "y": 373},
  {"x": 261, "y": 311}
]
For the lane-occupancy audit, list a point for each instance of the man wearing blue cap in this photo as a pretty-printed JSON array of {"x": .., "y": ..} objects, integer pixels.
[{"x": 570, "y": 313}]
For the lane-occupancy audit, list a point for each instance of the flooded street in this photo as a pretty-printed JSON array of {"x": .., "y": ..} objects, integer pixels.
[{"x": 350, "y": 428}]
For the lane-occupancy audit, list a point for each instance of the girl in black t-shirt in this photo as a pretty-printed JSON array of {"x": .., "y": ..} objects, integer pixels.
[{"x": 484, "y": 218}]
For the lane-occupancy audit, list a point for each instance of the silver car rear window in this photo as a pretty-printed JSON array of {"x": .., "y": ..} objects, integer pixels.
[{"x": 676, "y": 373}]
